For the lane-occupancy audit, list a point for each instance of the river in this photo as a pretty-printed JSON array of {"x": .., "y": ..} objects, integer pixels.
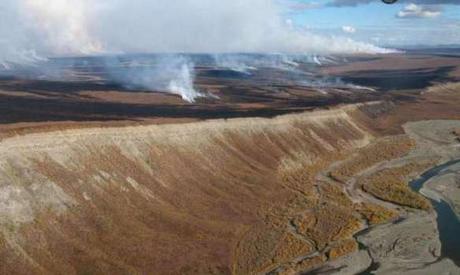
[{"x": 448, "y": 223}]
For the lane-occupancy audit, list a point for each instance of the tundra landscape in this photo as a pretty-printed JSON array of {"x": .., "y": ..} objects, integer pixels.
[
  {"x": 229, "y": 137},
  {"x": 320, "y": 184}
]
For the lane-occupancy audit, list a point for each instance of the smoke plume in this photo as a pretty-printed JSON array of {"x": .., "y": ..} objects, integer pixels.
[
  {"x": 163, "y": 73},
  {"x": 77, "y": 27},
  {"x": 32, "y": 30}
]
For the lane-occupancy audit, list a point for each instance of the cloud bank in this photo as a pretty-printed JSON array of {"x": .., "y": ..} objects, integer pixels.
[
  {"x": 32, "y": 28},
  {"x": 419, "y": 11},
  {"x": 348, "y": 29}
]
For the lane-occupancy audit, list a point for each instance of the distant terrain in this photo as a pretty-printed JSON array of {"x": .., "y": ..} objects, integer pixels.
[{"x": 87, "y": 95}]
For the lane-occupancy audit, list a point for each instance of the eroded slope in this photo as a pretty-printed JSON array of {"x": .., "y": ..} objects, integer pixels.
[{"x": 211, "y": 197}]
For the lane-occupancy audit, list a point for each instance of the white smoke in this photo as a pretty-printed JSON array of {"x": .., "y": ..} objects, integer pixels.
[
  {"x": 63, "y": 25},
  {"x": 236, "y": 63},
  {"x": 183, "y": 84},
  {"x": 247, "y": 63},
  {"x": 35, "y": 29},
  {"x": 166, "y": 73},
  {"x": 30, "y": 29},
  {"x": 76, "y": 27}
]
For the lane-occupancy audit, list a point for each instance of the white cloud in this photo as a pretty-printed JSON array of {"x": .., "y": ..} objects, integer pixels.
[
  {"x": 419, "y": 11},
  {"x": 301, "y": 6},
  {"x": 348, "y": 29}
]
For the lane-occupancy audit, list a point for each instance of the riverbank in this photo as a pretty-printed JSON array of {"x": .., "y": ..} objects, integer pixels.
[
  {"x": 424, "y": 242},
  {"x": 419, "y": 241},
  {"x": 446, "y": 186}
]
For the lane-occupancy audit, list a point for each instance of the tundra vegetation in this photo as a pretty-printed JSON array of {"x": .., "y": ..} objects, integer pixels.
[{"x": 249, "y": 195}]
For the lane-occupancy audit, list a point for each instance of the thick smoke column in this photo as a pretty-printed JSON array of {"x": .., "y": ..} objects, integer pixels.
[
  {"x": 163, "y": 73},
  {"x": 183, "y": 85}
]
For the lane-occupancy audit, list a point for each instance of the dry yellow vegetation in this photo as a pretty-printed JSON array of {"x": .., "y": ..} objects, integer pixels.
[
  {"x": 299, "y": 173},
  {"x": 256, "y": 250},
  {"x": 310, "y": 263},
  {"x": 264, "y": 249},
  {"x": 342, "y": 248},
  {"x": 381, "y": 150},
  {"x": 301, "y": 267},
  {"x": 327, "y": 223},
  {"x": 208, "y": 197},
  {"x": 335, "y": 195},
  {"x": 376, "y": 214},
  {"x": 291, "y": 247},
  {"x": 391, "y": 185}
]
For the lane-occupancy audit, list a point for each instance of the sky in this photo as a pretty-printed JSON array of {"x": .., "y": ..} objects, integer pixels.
[
  {"x": 35, "y": 29},
  {"x": 406, "y": 23}
]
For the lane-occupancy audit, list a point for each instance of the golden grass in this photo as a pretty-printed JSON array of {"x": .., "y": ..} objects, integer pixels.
[
  {"x": 265, "y": 248},
  {"x": 391, "y": 185},
  {"x": 301, "y": 179},
  {"x": 342, "y": 248},
  {"x": 327, "y": 223},
  {"x": 381, "y": 150},
  {"x": 291, "y": 247},
  {"x": 256, "y": 250},
  {"x": 376, "y": 214},
  {"x": 310, "y": 263},
  {"x": 335, "y": 195}
]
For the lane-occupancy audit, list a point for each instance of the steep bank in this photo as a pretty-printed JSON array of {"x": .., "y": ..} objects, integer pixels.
[{"x": 208, "y": 197}]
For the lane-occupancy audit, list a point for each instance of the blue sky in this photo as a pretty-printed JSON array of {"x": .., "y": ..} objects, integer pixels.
[{"x": 405, "y": 23}]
